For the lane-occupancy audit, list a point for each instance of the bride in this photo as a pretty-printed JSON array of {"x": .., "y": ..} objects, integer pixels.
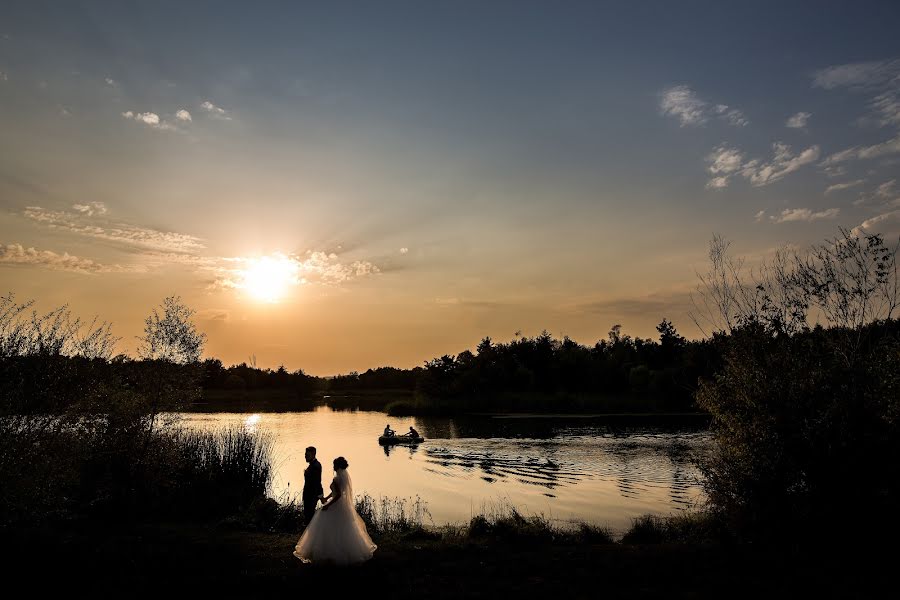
[{"x": 336, "y": 533}]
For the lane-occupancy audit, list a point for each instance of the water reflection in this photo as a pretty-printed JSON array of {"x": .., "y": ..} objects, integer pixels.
[
  {"x": 389, "y": 448},
  {"x": 566, "y": 468}
]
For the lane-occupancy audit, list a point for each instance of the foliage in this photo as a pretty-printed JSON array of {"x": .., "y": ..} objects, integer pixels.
[
  {"x": 393, "y": 515},
  {"x": 684, "y": 528},
  {"x": 171, "y": 337},
  {"x": 53, "y": 470},
  {"x": 804, "y": 416}
]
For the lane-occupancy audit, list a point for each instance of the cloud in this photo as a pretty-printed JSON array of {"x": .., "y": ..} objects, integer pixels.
[
  {"x": 783, "y": 163},
  {"x": 725, "y": 162},
  {"x": 183, "y": 115},
  {"x": 887, "y": 224},
  {"x": 109, "y": 81},
  {"x": 148, "y": 117},
  {"x": 683, "y": 103},
  {"x": 404, "y": 250},
  {"x": 91, "y": 209},
  {"x": 891, "y": 146},
  {"x": 885, "y": 195},
  {"x": 669, "y": 303},
  {"x": 760, "y": 216},
  {"x": 18, "y": 255},
  {"x": 798, "y": 121},
  {"x": 858, "y": 75},
  {"x": 804, "y": 214},
  {"x": 3, "y": 76},
  {"x": 717, "y": 183},
  {"x": 215, "y": 111},
  {"x": 151, "y": 119},
  {"x": 886, "y": 189},
  {"x": 835, "y": 171},
  {"x": 313, "y": 267},
  {"x": 887, "y": 104},
  {"x": 732, "y": 115},
  {"x": 843, "y": 186},
  {"x": 880, "y": 78},
  {"x": 84, "y": 222}
]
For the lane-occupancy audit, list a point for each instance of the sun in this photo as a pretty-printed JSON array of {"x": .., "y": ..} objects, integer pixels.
[{"x": 268, "y": 278}]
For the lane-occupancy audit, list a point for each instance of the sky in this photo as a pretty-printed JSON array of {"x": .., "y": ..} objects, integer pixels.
[{"x": 339, "y": 186}]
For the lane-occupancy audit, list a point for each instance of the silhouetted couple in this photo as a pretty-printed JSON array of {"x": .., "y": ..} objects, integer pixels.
[{"x": 335, "y": 533}]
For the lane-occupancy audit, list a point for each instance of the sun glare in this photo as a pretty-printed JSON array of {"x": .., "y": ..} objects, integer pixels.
[{"x": 268, "y": 278}]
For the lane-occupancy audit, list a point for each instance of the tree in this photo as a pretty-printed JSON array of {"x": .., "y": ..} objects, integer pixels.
[
  {"x": 171, "y": 337},
  {"x": 803, "y": 415}
]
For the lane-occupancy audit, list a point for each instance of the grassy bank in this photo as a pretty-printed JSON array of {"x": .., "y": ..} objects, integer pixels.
[{"x": 183, "y": 560}]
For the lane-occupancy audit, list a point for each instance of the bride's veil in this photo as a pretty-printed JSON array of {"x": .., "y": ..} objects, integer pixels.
[{"x": 346, "y": 487}]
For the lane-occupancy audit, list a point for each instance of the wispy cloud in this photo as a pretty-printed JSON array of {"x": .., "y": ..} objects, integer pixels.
[
  {"x": 885, "y": 223},
  {"x": 860, "y": 75},
  {"x": 804, "y": 214},
  {"x": 887, "y": 189},
  {"x": 3, "y": 76},
  {"x": 85, "y": 220},
  {"x": 91, "y": 209},
  {"x": 881, "y": 79},
  {"x": 726, "y": 162},
  {"x": 18, "y": 255},
  {"x": 891, "y": 146},
  {"x": 843, "y": 186},
  {"x": 149, "y": 118},
  {"x": 886, "y": 195},
  {"x": 664, "y": 302},
  {"x": 798, "y": 120},
  {"x": 215, "y": 111},
  {"x": 404, "y": 250},
  {"x": 723, "y": 162},
  {"x": 887, "y": 106},
  {"x": 783, "y": 163},
  {"x": 683, "y": 103},
  {"x": 110, "y": 82}
]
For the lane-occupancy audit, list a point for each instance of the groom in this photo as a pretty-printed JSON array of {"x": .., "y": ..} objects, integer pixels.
[{"x": 312, "y": 484}]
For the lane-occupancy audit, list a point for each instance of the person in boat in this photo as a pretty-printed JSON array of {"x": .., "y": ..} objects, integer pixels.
[
  {"x": 412, "y": 433},
  {"x": 388, "y": 432}
]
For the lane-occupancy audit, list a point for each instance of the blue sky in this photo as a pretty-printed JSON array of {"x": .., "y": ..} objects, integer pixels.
[{"x": 434, "y": 171}]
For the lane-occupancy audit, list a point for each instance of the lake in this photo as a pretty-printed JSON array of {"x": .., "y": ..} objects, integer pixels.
[{"x": 564, "y": 467}]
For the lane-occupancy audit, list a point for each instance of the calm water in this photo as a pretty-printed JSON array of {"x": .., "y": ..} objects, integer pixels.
[{"x": 566, "y": 468}]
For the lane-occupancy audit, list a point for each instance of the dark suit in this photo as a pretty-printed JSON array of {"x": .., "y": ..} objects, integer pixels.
[{"x": 312, "y": 488}]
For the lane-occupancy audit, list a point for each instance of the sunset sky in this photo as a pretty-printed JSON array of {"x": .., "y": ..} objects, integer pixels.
[{"x": 337, "y": 186}]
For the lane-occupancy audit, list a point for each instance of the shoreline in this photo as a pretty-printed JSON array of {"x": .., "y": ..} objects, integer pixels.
[{"x": 180, "y": 559}]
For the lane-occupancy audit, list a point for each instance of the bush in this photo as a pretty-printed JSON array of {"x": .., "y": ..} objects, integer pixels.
[
  {"x": 687, "y": 528},
  {"x": 52, "y": 469},
  {"x": 805, "y": 417},
  {"x": 405, "y": 516}
]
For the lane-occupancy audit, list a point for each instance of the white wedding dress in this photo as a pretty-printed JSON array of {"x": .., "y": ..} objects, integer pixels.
[{"x": 337, "y": 535}]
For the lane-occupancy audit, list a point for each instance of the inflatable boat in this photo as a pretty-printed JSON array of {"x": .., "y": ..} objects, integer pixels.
[{"x": 390, "y": 440}]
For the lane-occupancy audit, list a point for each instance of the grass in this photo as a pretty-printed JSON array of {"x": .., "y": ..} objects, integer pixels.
[
  {"x": 403, "y": 517},
  {"x": 685, "y": 528},
  {"x": 505, "y": 522},
  {"x": 61, "y": 469},
  {"x": 201, "y": 560}
]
